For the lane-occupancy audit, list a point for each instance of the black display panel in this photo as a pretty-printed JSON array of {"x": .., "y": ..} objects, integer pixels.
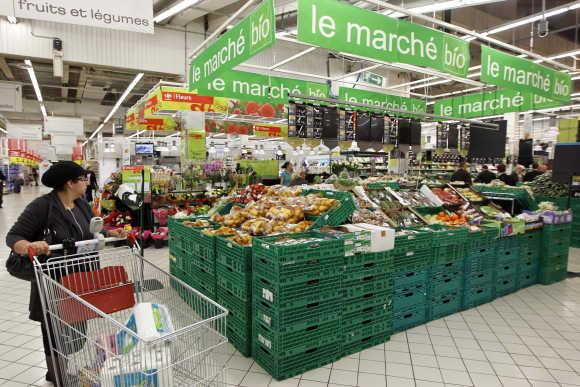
[
  {"x": 377, "y": 127},
  {"x": 487, "y": 143},
  {"x": 525, "y": 154},
  {"x": 363, "y": 126},
  {"x": 415, "y": 132},
  {"x": 453, "y": 137},
  {"x": 330, "y": 123},
  {"x": 566, "y": 164},
  {"x": 404, "y": 131}
]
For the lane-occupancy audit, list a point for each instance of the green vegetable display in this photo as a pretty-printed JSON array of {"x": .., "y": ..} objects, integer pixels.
[{"x": 544, "y": 186}]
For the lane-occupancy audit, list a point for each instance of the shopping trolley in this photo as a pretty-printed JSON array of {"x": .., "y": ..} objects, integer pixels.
[{"x": 117, "y": 319}]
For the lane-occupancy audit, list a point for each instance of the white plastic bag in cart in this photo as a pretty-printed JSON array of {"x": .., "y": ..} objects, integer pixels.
[{"x": 136, "y": 362}]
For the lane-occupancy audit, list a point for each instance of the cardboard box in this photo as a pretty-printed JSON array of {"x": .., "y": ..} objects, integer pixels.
[{"x": 382, "y": 238}]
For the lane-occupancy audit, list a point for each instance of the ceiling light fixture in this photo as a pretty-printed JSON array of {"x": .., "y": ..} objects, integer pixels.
[
  {"x": 12, "y": 19},
  {"x": 36, "y": 86},
  {"x": 441, "y": 6},
  {"x": 174, "y": 9},
  {"x": 3, "y": 130},
  {"x": 118, "y": 104}
]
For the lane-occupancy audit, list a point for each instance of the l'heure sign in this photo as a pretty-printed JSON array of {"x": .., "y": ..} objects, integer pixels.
[
  {"x": 128, "y": 15},
  {"x": 339, "y": 26}
]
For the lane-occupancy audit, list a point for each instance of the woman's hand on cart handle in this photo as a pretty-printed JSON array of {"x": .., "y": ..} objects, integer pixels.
[{"x": 38, "y": 248}]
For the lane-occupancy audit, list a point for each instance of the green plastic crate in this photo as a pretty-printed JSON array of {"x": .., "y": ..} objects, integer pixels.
[
  {"x": 556, "y": 233},
  {"x": 238, "y": 258},
  {"x": 366, "y": 301},
  {"x": 240, "y": 308},
  {"x": 416, "y": 241},
  {"x": 296, "y": 318},
  {"x": 339, "y": 213},
  {"x": 409, "y": 294},
  {"x": 505, "y": 285},
  {"x": 358, "y": 260},
  {"x": 477, "y": 295},
  {"x": 507, "y": 256},
  {"x": 402, "y": 278},
  {"x": 364, "y": 343},
  {"x": 285, "y": 344},
  {"x": 413, "y": 259},
  {"x": 487, "y": 236},
  {"x": 409, "y": 317},
  {"x": 239, "y": 333},
  {"x": 365, "y": 285},
  {"x": 368, "y": 328},
  {"x": 556, "y": 248},
  {"x": 372, "y": 269},
  {"x": 509, "y": 243},
  {"x": 551, "y": 275},
  {"x": 296, "y": 295},
  {"x": 507, "y": 268},
  {"x": 531, "y": 241},
  {"x": 445, "y": 236},
  {"x": 444, "y": 304},
  {"x": 280, "y": 257},
  {"x": 284, "y": 368},
  {"x": 527, "y": 278},
  {"x": 300, "y": 272},
  {"x": 240, "y": 285}
]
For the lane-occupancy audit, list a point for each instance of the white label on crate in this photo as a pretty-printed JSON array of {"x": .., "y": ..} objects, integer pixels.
[
  {"x": 267, "y": 319},
  {"x": 265, "y": 341},
  {"x": 410, "y": 253},
  {"x": 267, "y": 295}
]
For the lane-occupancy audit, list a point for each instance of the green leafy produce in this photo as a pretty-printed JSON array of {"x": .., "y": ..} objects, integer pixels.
[{"x": 544, "y": 186}]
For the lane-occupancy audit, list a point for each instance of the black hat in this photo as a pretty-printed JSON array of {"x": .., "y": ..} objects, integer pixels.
[{"x": 61, "y": 172}]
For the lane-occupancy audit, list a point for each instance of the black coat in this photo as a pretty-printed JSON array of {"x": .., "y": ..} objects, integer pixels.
[
  {"x": 462, "y": 175},
  {"x": 486, "y": 176},
  {"x": 47, "y": 219}
]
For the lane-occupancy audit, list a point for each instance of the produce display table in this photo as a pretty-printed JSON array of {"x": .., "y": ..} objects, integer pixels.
[{"x": 298, "y": 301}]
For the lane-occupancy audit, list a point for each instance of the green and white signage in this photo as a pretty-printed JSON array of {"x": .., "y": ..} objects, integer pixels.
[
  {"x": 339, "y": 26},
  {"x": 252, "y": 35},
  {"x": 381, "y": 101},
  {"x": 504, "y": 70},
  {"x": 260, "y": 88},
  {"x": 490, "y": 104}
]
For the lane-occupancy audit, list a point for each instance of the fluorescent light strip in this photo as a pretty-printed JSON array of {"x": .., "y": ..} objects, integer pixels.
[
  {"x": 118, "y": 104},
  {"x": 35, "y": 85},
  {"x": 174, "y": 9},
  {"x": 293, "y": 57},
  {"x": 3, "y": 130},
  {"x": 440, "y": 6},
  {"x": 12, "y": 19}
]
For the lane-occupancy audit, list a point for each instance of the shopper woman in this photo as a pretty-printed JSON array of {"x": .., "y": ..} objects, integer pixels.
[
  {"x": 286, "y": 176},
  {"x": 60, "y": 215}
]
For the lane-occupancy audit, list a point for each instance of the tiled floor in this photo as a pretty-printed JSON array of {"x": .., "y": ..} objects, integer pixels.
[{"x": 530, "y": 338}]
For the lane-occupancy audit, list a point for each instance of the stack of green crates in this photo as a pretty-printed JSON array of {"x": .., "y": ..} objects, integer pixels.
[
  {"x": 530, "y": 255},
  {"x": 234, "y": 291},
  {"x": 479, "y": 268},
  {"x": 367, "y": 286},
  {"x": 192, "y": 258},
  {"x": 555, "y": 249},
  {"x": 446, "y": 277},
  {"x": 507, "y": 266},
  {"x": 575, "y": 236},
  {"x": 412, "y": 260},
  {"x": 297, "y": 299}
]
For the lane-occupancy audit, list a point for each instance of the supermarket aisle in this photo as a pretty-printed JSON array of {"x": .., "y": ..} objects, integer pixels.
[{"x": 529, "y": 338}]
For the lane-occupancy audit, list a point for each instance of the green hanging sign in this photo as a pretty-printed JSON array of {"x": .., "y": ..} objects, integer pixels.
[
  {"x": 253, "y": 34},
  {"x": 260, "y": 88},
  {"x": 339, "y": 26},
  {"x": 490, "y": 104},
  {"x": 504, "y": 70},
  {"x": 381, "y": 101}
]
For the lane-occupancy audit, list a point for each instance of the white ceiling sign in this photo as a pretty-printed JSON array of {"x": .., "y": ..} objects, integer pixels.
[
  {"x": 127, "y": 15},
  {"x": 10, "y": 97},
  {"x": 64, "y": 126},
  {"x": 24, "y": 131}
]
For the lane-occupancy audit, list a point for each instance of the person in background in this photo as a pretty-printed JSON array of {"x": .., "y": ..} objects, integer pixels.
[
  {"x": 35, "y": 176},
  {"x": 2, "y": 181},
  {"x": 286, "y": 176},
  {"x": 462, "y": 174},
  {"x": 53, "y": 218},
  {"x": 535, "y": 172},
  {"x": 485, "y": 176},
  {"x": 518, "y": 171},
  {"x": 503, "y": 176},
  {"x": 93, "y": 186},
  {"x": 18, "y": 183},
  {"x": 300, "y": 179}
]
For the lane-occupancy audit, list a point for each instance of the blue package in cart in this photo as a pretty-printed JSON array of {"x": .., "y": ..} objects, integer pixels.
[{"x": 149, "y": 321}]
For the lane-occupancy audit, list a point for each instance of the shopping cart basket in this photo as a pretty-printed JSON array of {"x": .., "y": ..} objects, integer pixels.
[{"x": 116, "y": 319}]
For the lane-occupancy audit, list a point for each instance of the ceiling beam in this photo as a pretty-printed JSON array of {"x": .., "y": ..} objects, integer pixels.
[
  {"x": 65, "y": 79},
  {"x": 82, "y": 83},
  {"x": 6, "y": 69}
]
